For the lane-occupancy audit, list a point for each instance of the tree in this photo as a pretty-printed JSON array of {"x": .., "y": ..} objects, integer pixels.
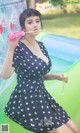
[{"x": 31, "y": 3}]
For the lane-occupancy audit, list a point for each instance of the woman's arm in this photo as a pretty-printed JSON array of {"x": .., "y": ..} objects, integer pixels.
[
  {"x": 7, "y": 69},
  {"x": 60, "y": 77}
]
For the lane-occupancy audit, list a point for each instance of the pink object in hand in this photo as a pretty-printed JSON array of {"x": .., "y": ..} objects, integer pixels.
[{"x": 16, "y": 35}]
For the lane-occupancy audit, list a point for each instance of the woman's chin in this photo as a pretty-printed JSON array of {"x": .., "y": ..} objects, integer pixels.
[{"x": 35, "y": 33}]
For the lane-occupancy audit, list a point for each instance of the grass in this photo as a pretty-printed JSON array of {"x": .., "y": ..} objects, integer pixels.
[{"x": 62, "y": 24}]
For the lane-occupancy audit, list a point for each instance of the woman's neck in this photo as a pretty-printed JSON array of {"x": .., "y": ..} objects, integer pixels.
[{"x": 30, "y": 39}]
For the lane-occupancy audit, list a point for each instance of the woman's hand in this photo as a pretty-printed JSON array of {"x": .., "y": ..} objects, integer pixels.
[
  {"x": 13, "y": 43},
  {"x": 63, "y": 78}
]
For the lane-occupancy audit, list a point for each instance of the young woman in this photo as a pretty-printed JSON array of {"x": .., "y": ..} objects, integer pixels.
[{"x": 30, "y": 104}]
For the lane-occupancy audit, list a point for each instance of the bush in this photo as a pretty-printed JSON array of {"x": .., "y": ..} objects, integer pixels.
[{"x": 72, "y": 8}]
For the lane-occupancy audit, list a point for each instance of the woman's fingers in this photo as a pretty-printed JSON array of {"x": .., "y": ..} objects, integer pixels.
[
  {"x": 65, "y": 79},
  {"x": 13, "y": 43}
]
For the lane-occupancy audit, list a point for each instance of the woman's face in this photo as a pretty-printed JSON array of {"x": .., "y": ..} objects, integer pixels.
[{"x": 33, "y": 24}]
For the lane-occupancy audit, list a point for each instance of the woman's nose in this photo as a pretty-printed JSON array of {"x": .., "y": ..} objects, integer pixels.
[{"x": 35, "y": 24}]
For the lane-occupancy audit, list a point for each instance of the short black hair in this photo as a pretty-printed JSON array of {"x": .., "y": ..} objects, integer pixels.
[{"x": 28, "y": 13}]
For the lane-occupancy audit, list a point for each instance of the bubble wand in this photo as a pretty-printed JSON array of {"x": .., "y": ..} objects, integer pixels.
[
  {"x": 64, "y": 81},
  {"x": 16, "y": 35}
]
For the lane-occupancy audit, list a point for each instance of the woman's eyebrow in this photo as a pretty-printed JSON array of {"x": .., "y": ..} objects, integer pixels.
[
  {"x": 29, "y": 20},
  {"x": 37, "y": 19},
  {"x": 32, "y": 19}
]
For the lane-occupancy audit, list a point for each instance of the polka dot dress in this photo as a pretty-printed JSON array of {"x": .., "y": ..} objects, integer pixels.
[{"x": 30, "y": 104}]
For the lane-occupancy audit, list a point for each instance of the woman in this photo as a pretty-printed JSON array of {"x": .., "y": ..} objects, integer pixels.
[{"x": 30, "y": 104}]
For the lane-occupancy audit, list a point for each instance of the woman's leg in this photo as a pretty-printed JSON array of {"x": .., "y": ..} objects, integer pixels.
[
  {"x": 72, "y": 126},
  {"x": 52, "y": 131},
  {"x": 61, "y": 129}
]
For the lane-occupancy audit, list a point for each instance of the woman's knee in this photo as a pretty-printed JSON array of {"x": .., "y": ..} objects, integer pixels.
[
  {"x": 61, "y": 129},
  {"x": 73, "y": 126},
  {"x": 52, "y": 131}
]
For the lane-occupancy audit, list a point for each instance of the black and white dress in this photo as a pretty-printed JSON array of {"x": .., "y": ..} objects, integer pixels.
[{"x": 30, "y": 104}]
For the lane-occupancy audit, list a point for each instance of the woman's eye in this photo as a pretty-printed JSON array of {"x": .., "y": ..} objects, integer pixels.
[
  {"x": 37, "y": 21},
  {"x": 29, "y": 22},
  {"x": 33, "y": 22}
]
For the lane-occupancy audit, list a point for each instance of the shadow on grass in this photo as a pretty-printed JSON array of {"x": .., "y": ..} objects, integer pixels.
[
  {"x": 61, "y": 20},
  {"x": 59, "y": 15}
]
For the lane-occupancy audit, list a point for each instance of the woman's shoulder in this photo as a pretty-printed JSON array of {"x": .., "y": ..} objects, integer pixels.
[
  {"x": 40, "y": 43},
  {"x": 18, "y": 48}
]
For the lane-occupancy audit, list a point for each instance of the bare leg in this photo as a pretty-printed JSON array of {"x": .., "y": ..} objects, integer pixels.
[
  {"x": 72, "y": 126},
  {"x": 52, "y": 131},
  {"x": 61, "y": 129}
]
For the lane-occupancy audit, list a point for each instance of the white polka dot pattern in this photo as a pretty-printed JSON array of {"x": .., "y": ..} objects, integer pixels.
[{"x": 30, "y": 104}]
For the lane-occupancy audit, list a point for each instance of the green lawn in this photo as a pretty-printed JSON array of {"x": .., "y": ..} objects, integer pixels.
[{"x": 62, "y": 24}]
